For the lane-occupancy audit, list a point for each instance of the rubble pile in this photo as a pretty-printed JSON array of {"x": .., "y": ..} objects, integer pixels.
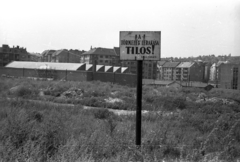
[
  {"x": 15, "y": 89},
  {"x": 114, "y": 93},
  {"x": 202, "y": 97},
  {"x": 113, "y": 100},
  {"x": 222, "y": 100},
  {"x": 73, "y": 93}
]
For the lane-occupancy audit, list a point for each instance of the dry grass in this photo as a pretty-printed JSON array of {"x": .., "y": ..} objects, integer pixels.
[{"x": 32, "y": 131}]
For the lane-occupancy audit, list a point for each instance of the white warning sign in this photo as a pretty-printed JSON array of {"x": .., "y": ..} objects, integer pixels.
[{"x": 140, "y": 45}]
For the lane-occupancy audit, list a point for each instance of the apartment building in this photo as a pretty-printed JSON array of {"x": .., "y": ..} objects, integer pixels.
[
  {"x": 149, "y": 69},
  {"x": 101, "y": 56},
  {"x": 160, "y": 70},
  {"x": 63, "y": 55},
  {"x": 207, "y": 68},
  {"x": 213, "y": 76},
  {"x": 8, "y": 54},
  {"x": 189, "y": 71},
  {"x": 169, "y": 70},
  {"x": 132, "y": 66},
  {"x": 229, "y": 76}
]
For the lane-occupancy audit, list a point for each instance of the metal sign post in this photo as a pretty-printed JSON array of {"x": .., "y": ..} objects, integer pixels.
[
  {"x": 139, "y": 103},
  {"x": 139, "y": 46}
]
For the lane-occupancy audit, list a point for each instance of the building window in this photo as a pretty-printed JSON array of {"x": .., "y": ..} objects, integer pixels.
[
  {"x": 106, "y": 61},
  {"x": 235, "y": 78}
]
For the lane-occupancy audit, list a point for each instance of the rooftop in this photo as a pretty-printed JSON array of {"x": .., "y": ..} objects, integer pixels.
[
  {"x": 161, "y": 63},
  {"x": 46, "y": 52},
  {"x": 185, "y": 64},
  {"x": 171, "y": 64},
  {"x": 117, "y": 50},
  {"x": 100, "y": 51},
  {"x": 158, "y": 82},
  {"x": 46, "y": 65}
]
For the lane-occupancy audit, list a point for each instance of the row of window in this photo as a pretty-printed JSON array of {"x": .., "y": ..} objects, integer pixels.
[
  {"x": 105, "y": 61},
  {"x": 100, "y": 56},
  {"x": 235, "y": 78},
  {"x": 13, "y": 51}
]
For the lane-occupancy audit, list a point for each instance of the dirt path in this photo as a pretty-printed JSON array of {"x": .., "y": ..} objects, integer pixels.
[{"x": 116, "y": 112}]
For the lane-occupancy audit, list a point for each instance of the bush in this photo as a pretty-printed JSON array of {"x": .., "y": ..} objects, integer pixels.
[
  {"x": 23, "y": 91},
  {"x": 101, "y": 113},
  {"x": 93, "y": 101},
  {"x": 33, "y": 133}
]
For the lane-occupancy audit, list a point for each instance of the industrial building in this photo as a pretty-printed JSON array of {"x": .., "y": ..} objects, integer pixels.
[{"x": 69, "y": 71}]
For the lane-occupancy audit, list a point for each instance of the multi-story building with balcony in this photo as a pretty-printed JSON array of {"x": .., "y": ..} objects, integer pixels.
[
  {"x": 8, "y": 54},
  {"x": 169, "y": 70},
  {"x": 190, "y": 71}
]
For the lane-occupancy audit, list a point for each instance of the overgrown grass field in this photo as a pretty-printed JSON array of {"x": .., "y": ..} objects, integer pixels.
[{"x": 177, "y": 128}]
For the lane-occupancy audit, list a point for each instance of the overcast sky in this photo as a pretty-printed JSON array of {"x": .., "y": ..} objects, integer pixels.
[{"x": 188, "y": 27}]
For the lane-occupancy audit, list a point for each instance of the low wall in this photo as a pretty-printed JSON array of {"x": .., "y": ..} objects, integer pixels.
[{"x": 118, "y": 78}]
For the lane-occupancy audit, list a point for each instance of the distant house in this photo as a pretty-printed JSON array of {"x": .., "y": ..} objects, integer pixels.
[
  {"x": 36, "y": 57},
  {"x": 100, "y": 56},
  {"x": 63, "y": 55},
  {"x": 190, "y": 71},
  {"x": 8, "y": 54},
  {"x": 169, "y": 70},
  {"x": 46, "y": 56}
]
